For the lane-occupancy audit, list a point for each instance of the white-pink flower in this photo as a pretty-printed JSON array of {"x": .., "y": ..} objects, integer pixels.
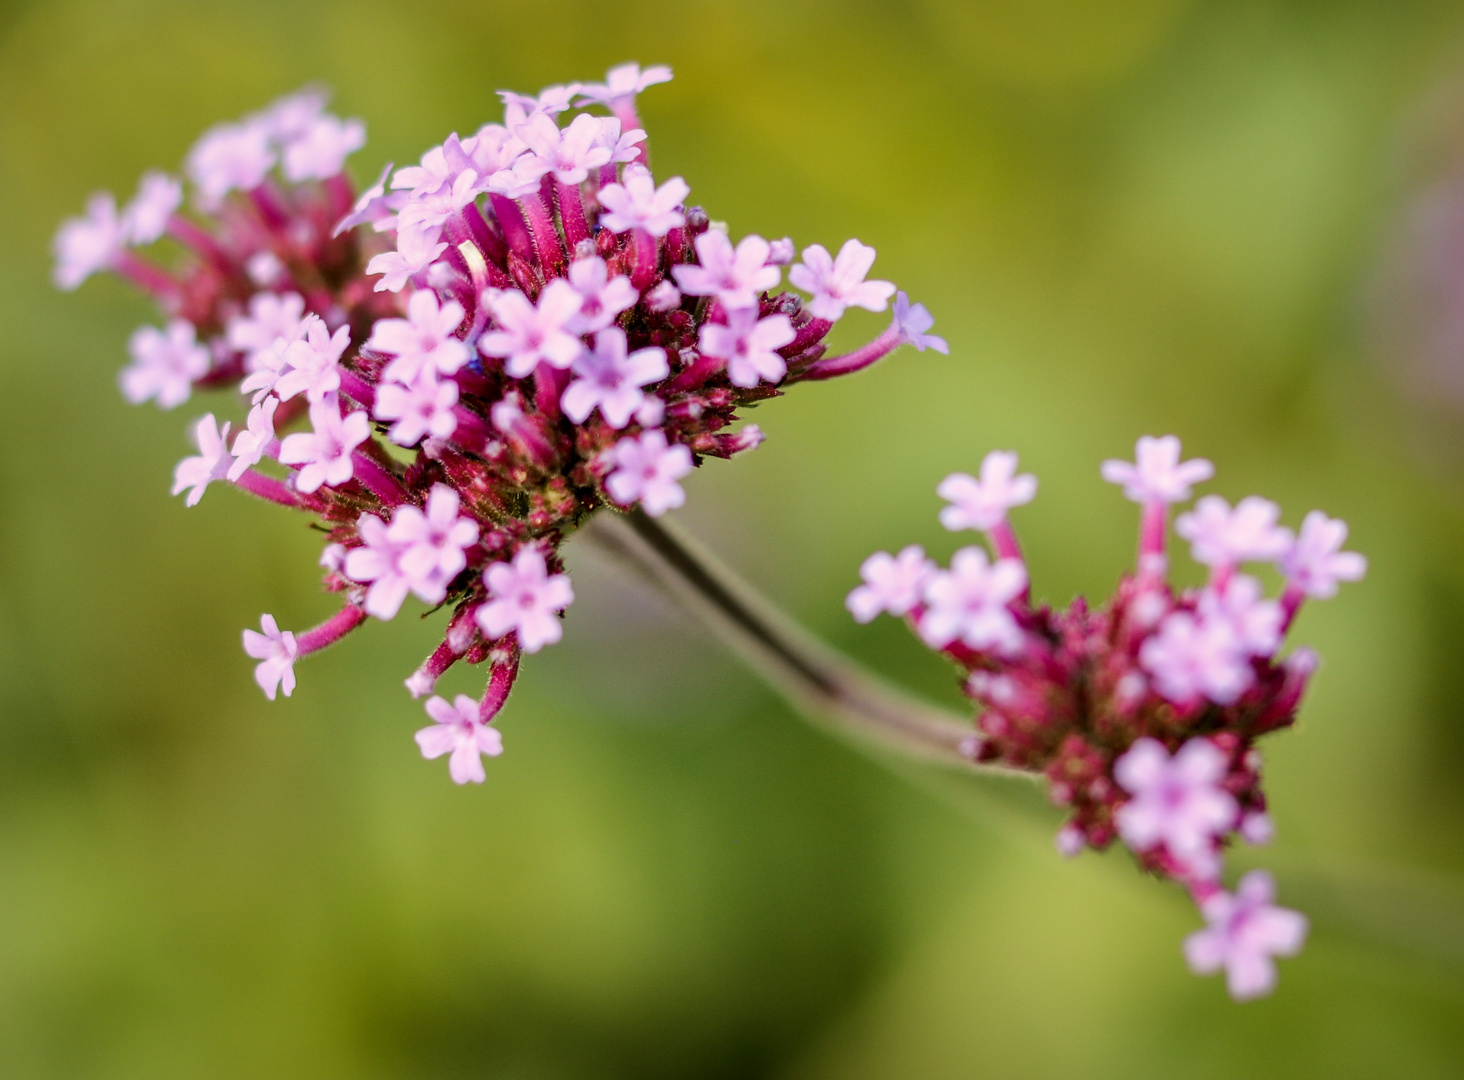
[
  {"x": 271, "y": 317},
  {"x": 551, "y": 100},
  {"x": 211, "y": 463},
  {"x": 968, "y": 603},
  {"x": 647, "y": 469},
  {"x": 85, "y": 245},
  {"x": 569, "y": 153},
  {"x": 230, "y": 157},
  {"x": 623, "y": 83},
  {"x": 314, "y": 362},
  {"x": 1254, "y": 622},
  {"x": 520, "y": 178},
  {"x": 1316, "y": 562},
  {"x": 983, "y": 504},
  {"x": 424, "y": 339},
  {"x": 621, "y": 146},
  {"x": 320, "y": 150},
  {"x": 911, "y": 323},
  {"x": 375, "y": 207},
  {"x": 461, "y": 732},
  {"x": 733, "y": 276},
  {"x": 892, "y": 583},
  {"x": 610, "y": 380},
  {"x": 164, "y": 364},
  {"x": 838, "y": 283},
  {"x": 1221, "y": 536},
  {"x": 1157, "y": 474},
  {"x": 325, "y": 451},
  {"x": 416, "y": 251},
  {"x": 525, "y": 599},
  {"x": 1244, "y": 930},
  {"x": 146, "y": 216},
  {"x": 1192, "y": 658},
  {"x": 1175, "y": 801},
  {"x": 663, "y": 297},
  {"x": 418, "y": 552},
  {"x": 636, "y": 203},
  {"x": 749, "y": 345},
  {"x": 421, "y": 408},
  {"x": 602, "y": 297},
  {"x": 529, "y": 334},
  {"x": 251, "y": 443},
  {"x": 276, "y": 650}
]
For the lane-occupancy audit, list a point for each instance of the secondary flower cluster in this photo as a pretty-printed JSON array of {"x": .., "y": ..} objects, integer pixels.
[
  {"x": 1143, "y": 713},
  {"x": 456, "y": 369}
]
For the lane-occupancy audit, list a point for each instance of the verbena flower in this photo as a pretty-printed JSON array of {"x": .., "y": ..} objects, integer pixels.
[{"x": 1142, "y": 713}]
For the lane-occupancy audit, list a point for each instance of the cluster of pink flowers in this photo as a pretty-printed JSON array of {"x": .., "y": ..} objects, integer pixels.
[
  {"x": 1141, "y": 714},
  {"x": 538, "y": 327}
]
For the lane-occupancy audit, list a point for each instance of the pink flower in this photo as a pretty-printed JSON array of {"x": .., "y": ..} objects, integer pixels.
[
  {"x": 570, "y": 153},
  {"x": 415, "y": 252},
  {"x": 892, "y": 583},
  {"x": 164, "y": 364},
  {"x": 1254, "y": 623},
  {"x": 623, "y": 83},
  {"x": 911, "y": 323},
  {"x": 374, "y": 206},
  {"x": 1220, "y": 536},
  {"x": 461, "y": 732},
  {"x": 523, "y": 597},
  {"x": 251, "y": 443},
  {"x": 271, "y": 318},
  {"x": 748, "y": 345},
  {"x": 1245, "y": 930},
  {"x": 441, "y": 166},
  {"x": 426, "y": 213},
  {"x": 212, "y": 462},
  {"x": 230, "y": 157},
  {"x": 529, "y": 335},
  {"x": 781, "y": 252},
  {"x": 663, "y": 297},
  {"x": 602, "y": 297},
  {"x": 314, "y": 362},
  {"x": 431, "y": 545},
  {"x": 839, "y": 283},
  {"x": 1176, "y": 801},
  {"x": 376, "y": 562},
  {"x": 326, "y": 451},
  {"x": 1192, "y": 658},
  {"x": 733, "y": 276},
  {"x": 422, "y": 408},
  {"x": 276, "y": 650},
  {"x": 983, "y": 504},
  {"x": 621, "y": 146},
  {"x": 1315, "y": 563},
  {"x": 320, "y": 150},
  {"x": 424, "y": 339},
  {"x": 290, "y": 116},
  {"x": 520, "y": 178},
  {"x": 969, "y": 602},
  {"x": 551, "y": 100},
  {"x": 84, "y": 245},
  {"x": 146, "y": 216},
  {"x": 636, "y": 203},
  {"x": 1157, "y": 474},
  {"x": 646, "y": 471},
  {"x": 611, "y": 381}
]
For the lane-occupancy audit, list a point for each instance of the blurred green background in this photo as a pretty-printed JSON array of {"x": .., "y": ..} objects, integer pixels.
[{"x": 1132, "y": 216}]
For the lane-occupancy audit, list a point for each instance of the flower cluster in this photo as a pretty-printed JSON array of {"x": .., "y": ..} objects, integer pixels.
[
  {"x": 1142, "y": 714},
  {"x": 455, "y": 369}
]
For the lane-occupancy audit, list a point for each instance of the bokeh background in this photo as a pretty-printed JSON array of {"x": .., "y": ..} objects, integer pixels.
[{"x": 1238, "y": 221}]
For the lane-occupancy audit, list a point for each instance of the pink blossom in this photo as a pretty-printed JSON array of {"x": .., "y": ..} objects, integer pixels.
[
  {"x": 1220, "y": 536},
  {"x": 969, "y": 602},
  {"x": 251, "y": 443},
  {"x": 314, "y": 362},
  {"x": 266, "y": 370},
  {"x": 1157, "y": 474},
  {"x": 425, "y": 339},
  {"x": 520, "y": 178},
  {"x": 839, "y": 283},
  {"x": 602, "y": 297},
  {"x": 781, "y": 252},
  {"x": 529, "y": 335},
  {"x": 431, "y": 544},
  {"x": 892, "y": 583},
  {"x": 622, "y": 146},
  {"x": 84, "y": 245},
  {"x": 492, "y": 148},
  {"x": 551, "y": 100},
  {"x": 376, "y": 562},
  {"x": 415, "y": 252},
  {"x": 911, "y": 323},
  {"x": 325, "y": 452},
  {"x": 1254, "y": 622},
  {"x": 1244, "y": 931},
  {"x": 524, "y": 598},
  {"x": 1192, "y": 658},
  {"x": 271, "y": 318},
  {"x": 748, "y": 345},
  {"x": 735, "y": 277},
  {"x": 276, "y": 651},
  {"x": 636, "y": 203},
  {"x": 230, "y": 157},
  {"x": 1256, "y": 828},
  {"x": 623, "y": 83},
  {"x": 420, "y": 408},
  {"x": 265, "y": 269},
  {"x": 164, "y": 364},
  {"x": 663, "y": 297},
  {"x": 146, "y": 216},
  {"x": 983, "y": 504},
  {"x": 441, "y": 166},
  {"x": 461, "y": 732},
  {"x": 320, "y": 151},
  {"x": 611, "y": 381},
  {"x": 375, "y": 206},
  {"x": 646, "y": 471},
  {"x": 1176, "y": 801},
  {"x": 1315, "y": 563},
  {"x": 428, "y": 212},
  {"x": 212, "y": 462},
  {"x": 290, "y": 116},
  {"x": 569, "y": 153}
]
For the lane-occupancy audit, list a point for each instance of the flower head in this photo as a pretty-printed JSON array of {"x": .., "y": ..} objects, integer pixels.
[
  {"x": 276, "y": 651},
  {"x": 892, "y": 583},
  {"x": 734, "y": 276},
  {"x": 164, "y": 364},
  {"x": 983, "y": 504},
  {"x": 1221, "y": 536},
  {"x": 749, "y": 346},
  {"x": 636, "y": 203},
  {"x": 461, "y": 732},
  {"x": 532, "y": 334},
  {"x": 647, "y": 469},
  {"x": 1157, "y": 474},
  {"x": 325, "y": 452},
  {"x": 271, "y": 317},
  {"x": 838, "y": 283},
  {"x": 1192, "y": 658},
  {"x": 420, "y": 408},
  {"x": 1244, "y": 930},
  {"x": 313, "y": 362},
  {"x": 602, "y": 297},
  {"x": 320, "y": 150},
  {"x": 1175, "y": 801},
  {"x": 1315, "y": 563},
  {"x": 610, "y": 379},
  {"x": 969, "y": 603},
  {"x": 425, "y": 339},
  {"x": 524, "y": 599}
]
